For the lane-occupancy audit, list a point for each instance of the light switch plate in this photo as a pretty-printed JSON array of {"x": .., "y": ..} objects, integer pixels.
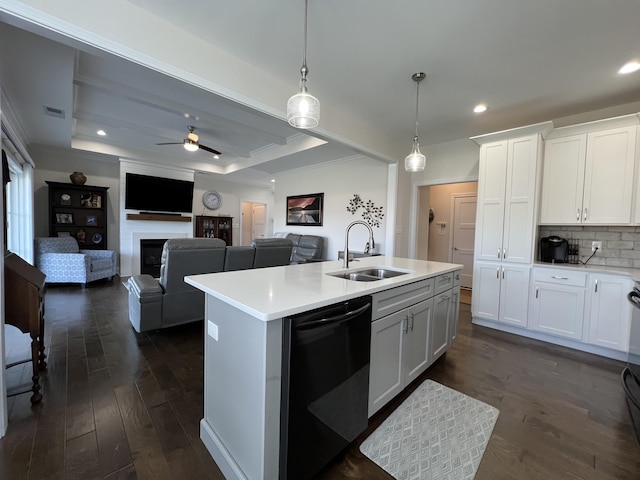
[{"x": 212, "y": 330}]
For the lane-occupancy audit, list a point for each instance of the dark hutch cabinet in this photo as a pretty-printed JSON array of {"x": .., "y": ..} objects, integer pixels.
[
  {"x": 214, "y": 227},
  {"x": 79, "y": 211}
]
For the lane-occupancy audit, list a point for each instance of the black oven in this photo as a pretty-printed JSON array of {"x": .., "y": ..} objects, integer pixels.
[{"x": 631, "y": 373}]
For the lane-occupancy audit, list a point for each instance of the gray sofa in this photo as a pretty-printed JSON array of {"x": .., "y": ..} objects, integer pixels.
[
  {"x": 306, "y": 248},
  {"x": 168, "y": 300}
]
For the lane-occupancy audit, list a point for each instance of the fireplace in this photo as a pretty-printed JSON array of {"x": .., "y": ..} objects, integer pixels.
[{"x": 151, "y": 256}]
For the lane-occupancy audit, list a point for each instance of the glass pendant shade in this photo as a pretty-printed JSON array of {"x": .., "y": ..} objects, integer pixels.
[
  {"x": 303, "y": 110},
  {"x": 415, "y": 161}
]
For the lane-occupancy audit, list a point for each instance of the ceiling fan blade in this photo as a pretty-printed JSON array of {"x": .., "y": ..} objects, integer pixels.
[
  {"x": 170, "y": 143},
  {"x": 209, "y": 149}
]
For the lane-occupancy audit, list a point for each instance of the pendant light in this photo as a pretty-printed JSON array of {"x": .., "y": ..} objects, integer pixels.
[
  {"x": 303, "y": 109},
  {"x": 416, "y": 161}
]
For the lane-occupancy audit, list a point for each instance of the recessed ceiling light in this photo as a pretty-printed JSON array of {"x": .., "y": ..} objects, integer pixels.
[
  {"x": 629, "y": 67},
  {"x": 102, "y": 133},
  {"x": 480, "y": 108}
]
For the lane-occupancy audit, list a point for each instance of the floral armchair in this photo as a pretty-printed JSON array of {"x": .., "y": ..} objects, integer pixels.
[{"x": 62, "y": 261}]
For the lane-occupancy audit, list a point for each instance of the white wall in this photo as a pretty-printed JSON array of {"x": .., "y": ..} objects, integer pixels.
[
  {"x": 233, "y": 194},
  {"x": 338, "y": 181}
]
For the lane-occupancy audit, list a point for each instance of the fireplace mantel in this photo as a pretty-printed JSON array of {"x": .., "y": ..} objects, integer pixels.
[{"x": 155, "y": 217}]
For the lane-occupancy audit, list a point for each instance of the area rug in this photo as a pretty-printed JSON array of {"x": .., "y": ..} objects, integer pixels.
[{"x": 437, "y": 433}]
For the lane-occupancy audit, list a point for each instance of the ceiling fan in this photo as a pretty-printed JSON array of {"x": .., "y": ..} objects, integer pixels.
[{"x": 191, "y": 143}]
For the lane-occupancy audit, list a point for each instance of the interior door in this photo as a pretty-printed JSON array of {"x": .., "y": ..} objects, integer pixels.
[
  {"x": 464, "y": 231},
  {"x": 258, "y": 220}
]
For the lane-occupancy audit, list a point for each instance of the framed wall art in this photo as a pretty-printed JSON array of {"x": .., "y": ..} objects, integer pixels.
[
  {"x": 305, "y": 210},
  {"x": 64, "y": 218}
]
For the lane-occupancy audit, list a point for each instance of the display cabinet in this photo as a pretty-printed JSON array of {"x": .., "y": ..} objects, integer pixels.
[
  {"x": 214, "y": 227},
  {"x": 79, "y": 211}
]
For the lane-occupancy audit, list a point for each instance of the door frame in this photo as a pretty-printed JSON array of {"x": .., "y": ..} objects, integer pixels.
[
  {"x": 268, "y": 224},
  {"x": 413, "y": 209},
  {"x": 454, "y": 196}
]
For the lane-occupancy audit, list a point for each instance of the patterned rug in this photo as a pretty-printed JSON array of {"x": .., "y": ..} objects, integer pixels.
[{"x": 437, "y": 433}]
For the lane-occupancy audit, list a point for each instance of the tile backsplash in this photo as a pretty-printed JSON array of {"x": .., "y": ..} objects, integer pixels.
[{"x": 620, "y": 245}]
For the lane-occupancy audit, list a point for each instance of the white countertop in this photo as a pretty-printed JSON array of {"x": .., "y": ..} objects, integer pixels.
[
  {"x": 276, "y": 292},
  {"x": 634, "y": 273}
]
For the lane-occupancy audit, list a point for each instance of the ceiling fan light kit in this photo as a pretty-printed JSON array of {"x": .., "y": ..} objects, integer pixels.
[
  {"x": 416, "y": 161},
  {"x": 303, "y": 109},
  {"x": 192, "y": 144}
]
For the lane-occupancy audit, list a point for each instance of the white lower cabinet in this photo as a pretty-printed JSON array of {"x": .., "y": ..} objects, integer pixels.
[
  {"x": 399, "y": 352},
  {"x": 609, "y": 311},
  {"x": 557, "y": 302},
  {"x": 501, "y": 292},
  {"x": 439, "y": 335},
  {"x": 411, "y": 328}
]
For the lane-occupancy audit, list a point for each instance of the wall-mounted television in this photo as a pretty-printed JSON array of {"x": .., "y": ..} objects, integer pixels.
[{"x": 157, "y": 194}]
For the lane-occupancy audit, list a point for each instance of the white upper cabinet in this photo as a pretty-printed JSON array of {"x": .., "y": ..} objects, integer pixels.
[
  {"x": 588, "y": 177},
  {"x": 506, "y": 199}
]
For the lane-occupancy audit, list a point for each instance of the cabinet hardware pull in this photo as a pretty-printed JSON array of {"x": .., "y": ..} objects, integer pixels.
[
  {"x": 412, "y": 321},
  {"x": 406, "y": 324},
  {"x": 498, "y": 253},
  {"x": 503, "y": 273},
  {"x": 596, "y": 286},
  {"x": 504, "y": 253},
  {"x": 536, "y": 292},
  {"x": 498, "y": 273},
  {"x": 578, "y": 215},
  {"x": 559, "y": 278},
  {"x": 585, "y": 214}
]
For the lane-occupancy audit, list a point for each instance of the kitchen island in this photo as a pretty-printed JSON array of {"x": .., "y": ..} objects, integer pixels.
[{"x": 245, "y": 312}]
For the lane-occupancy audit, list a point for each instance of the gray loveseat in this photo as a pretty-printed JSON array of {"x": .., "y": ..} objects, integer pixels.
[
  {"x": 306, "y": 248},
  {"x": 168, "y": 300}
]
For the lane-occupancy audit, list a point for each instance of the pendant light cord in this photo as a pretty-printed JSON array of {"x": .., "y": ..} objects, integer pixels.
[
  {"x": 417, "y": 101},
  {"x": 304, "y": 70}
]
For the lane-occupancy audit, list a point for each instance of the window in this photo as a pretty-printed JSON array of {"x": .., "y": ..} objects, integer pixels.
[{"x": 20, "y": 207}]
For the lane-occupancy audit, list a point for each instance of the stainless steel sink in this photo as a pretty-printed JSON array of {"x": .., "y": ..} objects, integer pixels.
[
  {"x": 357, "y": 277},
  {"x": 368, "y": 275},
  {"x": 382, "y": 272}
]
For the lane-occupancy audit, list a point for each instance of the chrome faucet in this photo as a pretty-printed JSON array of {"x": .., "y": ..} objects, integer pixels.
[{"x": 372, "y": 242}]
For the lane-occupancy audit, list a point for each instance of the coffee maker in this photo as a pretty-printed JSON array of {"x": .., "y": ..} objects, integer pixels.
[{"x": 553, "y": 249}]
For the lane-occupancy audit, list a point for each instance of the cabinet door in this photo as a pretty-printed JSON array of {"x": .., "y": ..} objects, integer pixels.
[
  {"x": 386, "y": 375},
  {"x": 416, "y": 345},
  {"x": 485, "y": 302},
  {"x": 610, "y": 311},
  {"x": 514, "y": 294},
  {"x": 439, "y": 334},
  {"x": 562, "y": 180},
  {"x": 519, "y": 205},
  {"x": 455, "y": 314},
  {"x": 558, "y": 309},
  {"x": 490, "y": 206},
  {"x": 608, "y": 184}
]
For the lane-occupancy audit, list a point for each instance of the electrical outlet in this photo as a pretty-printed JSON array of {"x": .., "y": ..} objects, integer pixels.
[{"x": 595, "y": 245}]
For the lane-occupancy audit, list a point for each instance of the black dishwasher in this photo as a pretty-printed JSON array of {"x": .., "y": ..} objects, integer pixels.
[{"x": 325, "y": 385}]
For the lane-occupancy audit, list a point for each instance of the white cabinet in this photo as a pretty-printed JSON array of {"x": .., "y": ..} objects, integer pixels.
[
  {"x": 588, "y": 177},
  {"x": 557, "y": 302},
  {"x": 501, "y": 292},
  {"x": 399, "y": 352},
  {"x": 439, "y": 337},
  {"x": 609, "y": 311},
  {"x": 505, "y": 215},
  {"x": 404, "y": 332}
]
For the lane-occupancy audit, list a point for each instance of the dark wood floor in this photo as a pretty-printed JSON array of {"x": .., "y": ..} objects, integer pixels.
[{"x": 121, "y": 405}]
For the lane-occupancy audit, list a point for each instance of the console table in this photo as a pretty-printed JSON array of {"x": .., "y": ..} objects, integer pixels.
[{"x": 24, "y": 309}]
